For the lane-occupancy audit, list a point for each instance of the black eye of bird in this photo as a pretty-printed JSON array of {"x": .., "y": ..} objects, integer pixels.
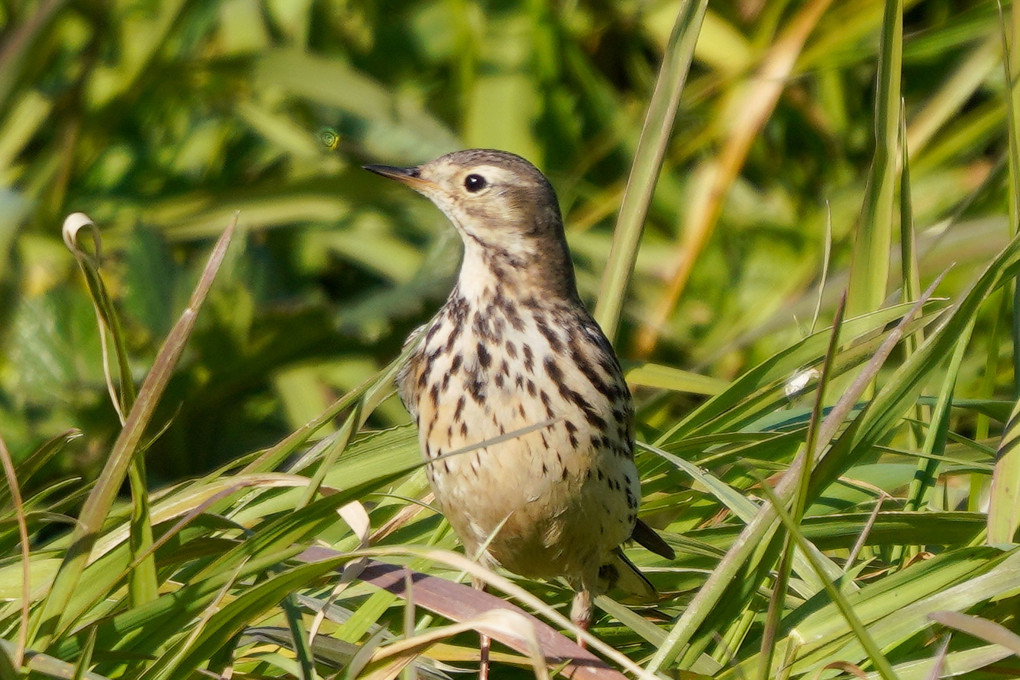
[{"x": 474, "y": 183}]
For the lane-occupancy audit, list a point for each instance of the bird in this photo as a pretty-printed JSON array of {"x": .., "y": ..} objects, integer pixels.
[{"x": 525, "y": 420}]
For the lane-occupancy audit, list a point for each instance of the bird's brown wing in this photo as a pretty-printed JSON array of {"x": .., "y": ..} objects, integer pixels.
[
  {"x": 646, "y": 536},
  {"x": 407, "y": 377}
]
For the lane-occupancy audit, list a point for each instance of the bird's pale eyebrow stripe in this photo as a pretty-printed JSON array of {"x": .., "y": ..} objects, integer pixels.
[{"x": 492, "y": 173}]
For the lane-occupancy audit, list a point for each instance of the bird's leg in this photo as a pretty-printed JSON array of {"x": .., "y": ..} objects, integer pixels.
[
  {"x": 484, "y": 641},
  {"x": 580, "y": 612}
]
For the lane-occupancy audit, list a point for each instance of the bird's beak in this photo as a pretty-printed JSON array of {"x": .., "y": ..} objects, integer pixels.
[{"x": 409, "y": 176}]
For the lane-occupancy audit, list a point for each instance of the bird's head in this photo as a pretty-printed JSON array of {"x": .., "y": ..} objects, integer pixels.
[{"x": 495, "y": 199}]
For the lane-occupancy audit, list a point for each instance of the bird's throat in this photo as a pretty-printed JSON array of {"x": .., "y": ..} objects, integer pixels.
[{"x": 546, "y": 273}]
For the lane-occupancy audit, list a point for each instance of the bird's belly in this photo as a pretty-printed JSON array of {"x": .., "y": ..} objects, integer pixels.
[{"x": 521, "y": 472}]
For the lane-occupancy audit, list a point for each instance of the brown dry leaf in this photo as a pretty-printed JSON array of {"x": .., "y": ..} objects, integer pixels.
[{"x": 464, "y": 604}]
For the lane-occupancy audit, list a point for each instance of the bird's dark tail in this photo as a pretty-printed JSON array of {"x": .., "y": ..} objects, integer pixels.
[
  {"x": 623, "y": 574},
  {"x": 646, "y": 536}
]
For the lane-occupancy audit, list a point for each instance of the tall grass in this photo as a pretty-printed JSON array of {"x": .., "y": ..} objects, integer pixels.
[{"x": 842, "y": 495}]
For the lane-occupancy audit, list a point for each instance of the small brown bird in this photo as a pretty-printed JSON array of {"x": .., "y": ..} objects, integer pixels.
[{"x": 514, "y": 352}]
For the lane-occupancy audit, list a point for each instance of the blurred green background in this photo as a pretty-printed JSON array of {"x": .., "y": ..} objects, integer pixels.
[{"x": 161, "y": 119}]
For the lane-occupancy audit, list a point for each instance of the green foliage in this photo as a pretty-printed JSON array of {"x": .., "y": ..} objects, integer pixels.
[{"x": 842, "y": 492}]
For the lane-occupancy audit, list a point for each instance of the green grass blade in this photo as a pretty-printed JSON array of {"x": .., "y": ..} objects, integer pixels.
[
  {"x": 721, "y": 411},
  {"x": 371, "y": 393},
  {"x": 869, "y": 273},
  {"x": 25, "y": 547},
  {"x": 302, "y": 650},
  {"x": 763, "y": 526},
  {"x": 983, "y": 629},
  {"x": 878, "y": 659},
  {"x": 17, "y": 47},
  {"x": 29, "y": 466},
  {"x": 904, "y": 385},
  {"x": 336, "y": 447},
  {"x": 1004, "y": 500},
  {"x": 1000, "y": 301},
  {"x": 937, "y": 114},
  {"x": 81, "y": 667},
  {"x": 1011, "y": 65},
  {"x": 715, "y": 179},
  {"x": 50, "y": 666},
  {"x": 647, "y": 163},
  {"x": 777, "y": 601},
  {"x": 7, "y": 668},
  {"x": 938, "y": 429}
]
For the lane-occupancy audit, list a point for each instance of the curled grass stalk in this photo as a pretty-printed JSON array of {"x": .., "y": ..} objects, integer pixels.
[
  {"x": 49, "y": 619},
  {"x": 142, "y": 579}
]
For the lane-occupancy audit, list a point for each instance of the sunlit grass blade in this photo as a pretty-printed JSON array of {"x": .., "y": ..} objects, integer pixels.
[
  {"x": 743, "y": 508},
  {"x": 869, "y": 273},
  {"x": 25, "y": 548},
  {"x": 757, "y": 103},
  {"x": 1004, "y": 498},
  {"x": 761, "y": 529},
  {"x": 273, "y": 542},
  {"x": 910, "y": 274},
  {"x": 174, "y": 661},
  {"x": 49, "y": 666},
  {"x": 1000, "y": 301},
  {"x": 732, "y": 408},
  {"x": 986, "y": 630},
  {"x": 904, "y": 385},
  {"x": 896, "y": 608},
  {"x": 647, "y": 163},
  {"x": 937, "y": 433},
  {"x": 336, "y": 447},
  {"x": 1011, "y": 66},
  {"x": 911, "y": 286},
  {"x": 85, "y": 659},
  {"x": 961, "y": 662},
  {"x": 878, "y": 659},
  {"x": 777, "y": 601},
  {"x": 675, "y": 379}
]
